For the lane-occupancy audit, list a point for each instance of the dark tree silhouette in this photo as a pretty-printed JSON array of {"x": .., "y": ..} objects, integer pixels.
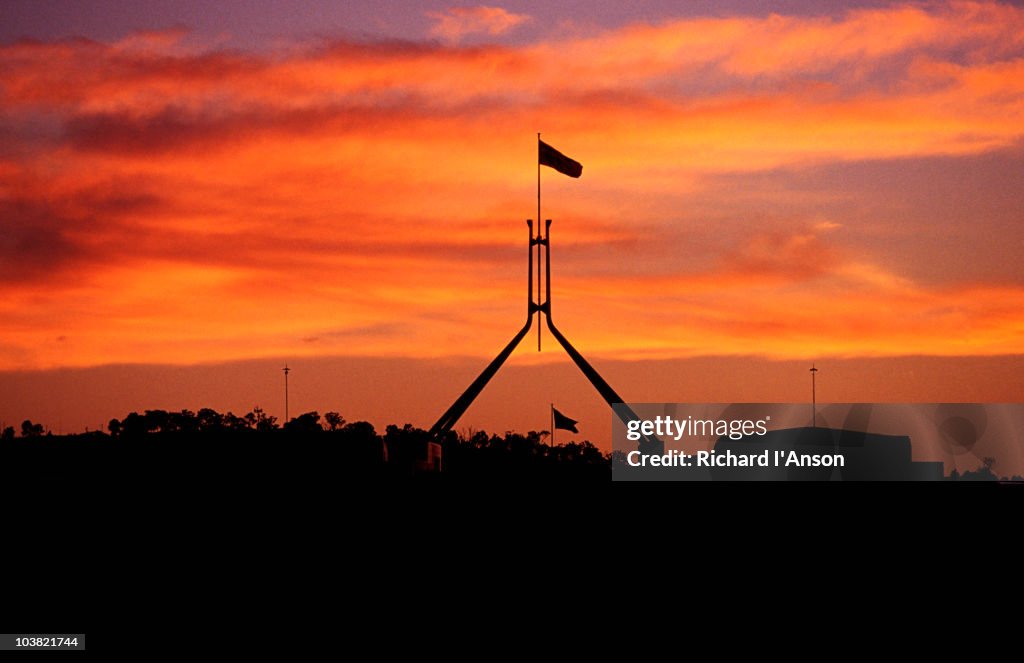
[
  {"x": 304, "y": 424},
  {"x": 29, "y": 429},
  {"x": 359, "y": 431},
  {"x": 183, "y": 422},
  {"x": 133, "y": 425},
  {"x": 334, "y": 421},
  {"x": 983, "y": 473},
  {"x": 8, "y": 434},
  {"x": 260, "y": 420},
  {"x": 209, "y": 420},
  {"x": 232, "y": 422},
  {"x": 157, "y": 421}
]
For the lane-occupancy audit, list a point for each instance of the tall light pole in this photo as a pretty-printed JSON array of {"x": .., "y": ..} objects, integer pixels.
[
  {"x": 814, "y": 399},
  {"x": 286, "y": 372}
]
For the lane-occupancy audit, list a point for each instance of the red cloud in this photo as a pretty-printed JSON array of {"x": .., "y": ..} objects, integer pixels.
[{"x": 166, "y": 203}]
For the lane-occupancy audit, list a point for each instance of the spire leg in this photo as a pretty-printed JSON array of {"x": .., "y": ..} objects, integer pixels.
[
  {"x": 462, "y": 403},
  {"x": 648, "y": 444}
]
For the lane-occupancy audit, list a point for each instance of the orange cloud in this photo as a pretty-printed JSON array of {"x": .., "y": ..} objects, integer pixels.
[
  {"x": 455, "y": 23},
  {"x": 161, "y": 203}
]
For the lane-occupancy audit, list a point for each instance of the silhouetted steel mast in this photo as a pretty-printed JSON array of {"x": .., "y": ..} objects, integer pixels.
[{"x": 458, "y": 408}]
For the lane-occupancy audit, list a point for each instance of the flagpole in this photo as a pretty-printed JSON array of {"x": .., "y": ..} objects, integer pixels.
[
  {"x": 538, "y": 238},
  {"x": 552, "y": 426}
]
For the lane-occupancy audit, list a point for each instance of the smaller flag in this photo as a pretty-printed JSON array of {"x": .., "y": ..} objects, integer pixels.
[
  {"x": 564, "y": 422},
  {"x": 549, "y": 156}
]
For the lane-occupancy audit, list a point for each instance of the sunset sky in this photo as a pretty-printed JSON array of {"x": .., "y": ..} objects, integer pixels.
[{"x": 237, "y": 185}]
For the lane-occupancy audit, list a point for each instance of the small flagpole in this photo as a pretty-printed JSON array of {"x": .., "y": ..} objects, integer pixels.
[
  {"x": 538, "y": 242},
  {"x": 814, "y": 399},
  {"x": 286, "y": 372},
  {"x": 552, "y": 426}
]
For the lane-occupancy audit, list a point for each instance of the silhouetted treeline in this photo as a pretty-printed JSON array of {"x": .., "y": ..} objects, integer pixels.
[
  {"x": 983, "y": 473},
  {"x": 253, "y": 447}
]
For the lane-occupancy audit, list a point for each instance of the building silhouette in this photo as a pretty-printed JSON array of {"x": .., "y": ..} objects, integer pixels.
[{"x": 866, "y": 456}]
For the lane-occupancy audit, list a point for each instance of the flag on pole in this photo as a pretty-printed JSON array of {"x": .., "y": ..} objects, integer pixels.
[
  {"x": 564, "y": 422},
  {"x": 552, "y": 158}
]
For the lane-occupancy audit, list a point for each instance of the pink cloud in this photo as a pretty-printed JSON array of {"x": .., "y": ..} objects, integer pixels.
[{"x": 455, "y": 23}]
